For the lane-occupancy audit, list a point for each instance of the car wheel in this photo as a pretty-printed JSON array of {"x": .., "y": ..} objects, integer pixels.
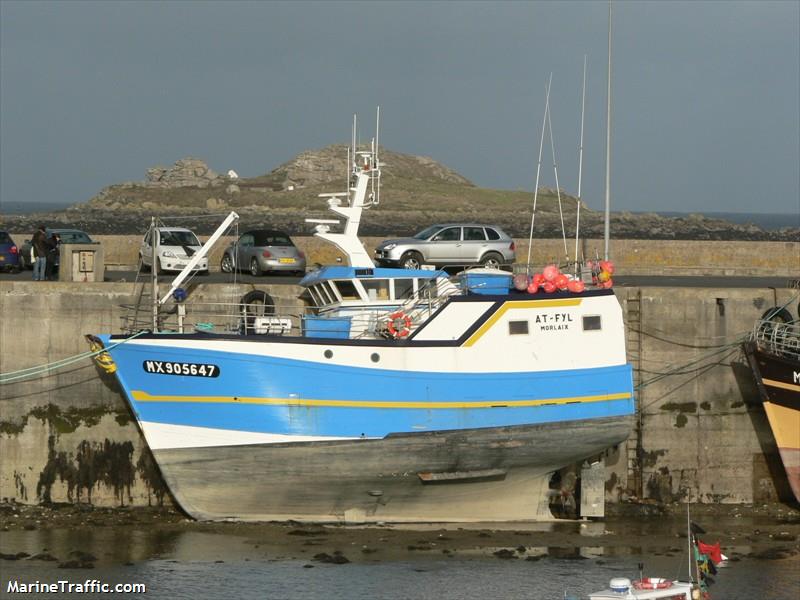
[
  {"x": 255, "y": 269},
  {"x": 492, "y": 260},
  {"x": 143, "y": 268},
  {"x": 226, "y": 265},
  {"x": 411, "y": 260},
  {"x": 159, "y": 270}
]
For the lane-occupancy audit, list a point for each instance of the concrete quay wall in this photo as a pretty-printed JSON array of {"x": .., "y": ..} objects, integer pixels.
[
  {"x": 633, "y": 257},
  {"x": 68, "y": 435}
]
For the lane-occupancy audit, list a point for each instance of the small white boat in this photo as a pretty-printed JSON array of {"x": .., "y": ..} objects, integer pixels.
[{"x": 647, "y": 588}]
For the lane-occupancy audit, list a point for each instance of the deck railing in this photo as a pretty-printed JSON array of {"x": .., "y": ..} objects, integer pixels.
[{"x": 778, "y": 338}]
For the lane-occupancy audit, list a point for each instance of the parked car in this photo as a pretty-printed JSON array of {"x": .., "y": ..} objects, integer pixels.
[
  {"x": 176, "y": 246},
  {"x": 68, "y": 236},
  {"x": 462, "y": 244},
  {"x": 9, "y": 254},
  {"x": 261, "y": 251}
]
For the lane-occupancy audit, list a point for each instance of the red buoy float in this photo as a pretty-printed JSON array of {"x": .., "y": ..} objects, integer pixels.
[
  {"x": 550, "y": 272},
  {"x": 521, "y": 282}
]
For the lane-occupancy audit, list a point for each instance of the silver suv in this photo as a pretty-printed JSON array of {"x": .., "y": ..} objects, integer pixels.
[{"x": 462, "y": 244}]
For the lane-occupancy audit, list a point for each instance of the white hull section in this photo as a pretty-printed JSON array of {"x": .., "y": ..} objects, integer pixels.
[
  {"x": 557, "y": 341},
  {"x": 161, "y": 436}
]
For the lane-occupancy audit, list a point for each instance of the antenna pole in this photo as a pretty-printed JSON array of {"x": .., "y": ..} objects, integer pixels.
[
  {"x": 377, "y": 198},
  {"x": 356, "y": 141},
  {"x": 689, "y": 537},
  {"x": 558, "y": 188},
  {"x": 607, "y": 229},
  {"x": 580, "y": 168},
  {"x": 538, "y": 170},
  {"x": 154, "y": 243}
]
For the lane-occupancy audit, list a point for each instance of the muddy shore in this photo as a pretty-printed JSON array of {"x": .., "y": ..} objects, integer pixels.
[{"x": 762, "y": 532}]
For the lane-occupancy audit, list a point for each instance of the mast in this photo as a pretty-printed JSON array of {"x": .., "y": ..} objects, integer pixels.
[
  {"x": 580, "y": 168},
  {"x": 538, "y": 171},
  {"x": 606, "y": 231},
  {"x": 154, "y": 243}
]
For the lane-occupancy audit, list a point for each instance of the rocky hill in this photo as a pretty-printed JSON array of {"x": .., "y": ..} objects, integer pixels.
[{"x": 416, "y": 192}]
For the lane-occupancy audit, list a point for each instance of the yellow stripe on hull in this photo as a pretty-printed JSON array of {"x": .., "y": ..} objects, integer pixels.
[
  {"x": 792, "y": 387},
  {"x": 517, "y": 304},
  {"x": 141, "y": 396},
  {"x": 785, "y": 424}
]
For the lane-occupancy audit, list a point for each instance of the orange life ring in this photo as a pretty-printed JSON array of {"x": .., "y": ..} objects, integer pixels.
[
  {"x": 399, "y": 324},
  {"x": 652, "y": 583}
]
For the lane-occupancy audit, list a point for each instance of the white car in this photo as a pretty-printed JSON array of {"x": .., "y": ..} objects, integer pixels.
[{"x": 176, "y": 246}]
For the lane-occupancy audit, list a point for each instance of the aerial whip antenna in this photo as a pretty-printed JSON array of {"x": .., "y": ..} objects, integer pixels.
[
  {"x": 558, "y": 188},
  {"x": 607, "y": 228},
  {"x": 580, "y": 168},
  {"x": 377, "y": 199},
  {"x": 538, "y": 170}
]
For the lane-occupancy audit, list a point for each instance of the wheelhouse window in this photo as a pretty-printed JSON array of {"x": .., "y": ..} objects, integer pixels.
[
  {"x": 403, "y": 288},
  {"x": 324, "y": 293},
  {"x": 591, "y": 323},
  {"x": 315, "y": 296},
  {"x": 377, "y": 289},
  {"x": 347, "y": 290},
  {"x": 518, "y": 328}
]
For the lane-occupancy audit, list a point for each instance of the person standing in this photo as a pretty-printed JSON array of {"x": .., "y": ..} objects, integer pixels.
[
  {"x": 54, "y": 247},
  {"x": 40, "y": 250}
]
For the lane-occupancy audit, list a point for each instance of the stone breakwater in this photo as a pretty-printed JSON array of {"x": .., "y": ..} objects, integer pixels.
[{"x": 68, "y": 435}]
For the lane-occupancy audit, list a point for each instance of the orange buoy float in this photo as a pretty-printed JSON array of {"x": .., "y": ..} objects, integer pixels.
[
  {"x": 549, "y": 287},
  {"x": 576, "y": 286},
  {"x": 608, "y": 266},
  {"x": 550, "y": 272},
  {"x": 561, "y": 281}
]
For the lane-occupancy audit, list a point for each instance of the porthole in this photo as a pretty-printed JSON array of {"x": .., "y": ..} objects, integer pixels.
[
  {"x": 375, "y": 357},
  {"x": 517, "y": 327},
  {"x": 328, "y": 353},
  {"x": 591, "y": 323}
]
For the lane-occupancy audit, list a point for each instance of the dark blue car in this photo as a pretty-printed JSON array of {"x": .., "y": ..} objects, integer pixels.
[{"x": 9, "y": 254}]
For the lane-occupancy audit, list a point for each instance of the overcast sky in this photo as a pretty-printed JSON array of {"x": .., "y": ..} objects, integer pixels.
[{"x": 706, "y": 95}]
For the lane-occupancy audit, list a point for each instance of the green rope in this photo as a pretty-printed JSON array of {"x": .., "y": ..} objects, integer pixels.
[{"x": 54, "y": 366}]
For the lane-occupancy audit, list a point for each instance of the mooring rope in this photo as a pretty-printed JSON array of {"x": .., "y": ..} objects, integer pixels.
[{"x": 54, "y": 366}]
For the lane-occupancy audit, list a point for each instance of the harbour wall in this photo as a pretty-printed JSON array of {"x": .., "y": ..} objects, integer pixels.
[
  {"x": 632, "y": 257},
  {"x": 66, "y": 435}
]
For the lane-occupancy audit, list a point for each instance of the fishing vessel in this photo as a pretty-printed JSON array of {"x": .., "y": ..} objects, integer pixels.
[
  {"x": 387, "y": 395},
  {"x": 773, "y": 352}
]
